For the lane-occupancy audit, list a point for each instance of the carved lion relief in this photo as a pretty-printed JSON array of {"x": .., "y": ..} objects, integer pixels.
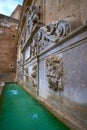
[
  {"x": 34, "y": 75},
  {"x": 54, "y": 72}
]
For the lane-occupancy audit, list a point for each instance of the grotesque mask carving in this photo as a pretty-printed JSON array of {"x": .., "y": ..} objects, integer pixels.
[{"x": 54, "y": 72}]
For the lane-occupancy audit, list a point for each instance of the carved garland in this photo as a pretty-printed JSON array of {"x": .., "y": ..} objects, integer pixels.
[{"x": 54, "y": 72}]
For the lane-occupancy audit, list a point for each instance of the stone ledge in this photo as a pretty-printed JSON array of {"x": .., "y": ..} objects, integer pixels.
[
  {"x": 67, "y": 119},
  {"x": 1, "y": 87}
]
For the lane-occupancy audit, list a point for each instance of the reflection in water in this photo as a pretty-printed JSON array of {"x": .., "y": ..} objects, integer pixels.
[
  {"x": 35, "y": 116},
  {"x": 12, "y": 92}
]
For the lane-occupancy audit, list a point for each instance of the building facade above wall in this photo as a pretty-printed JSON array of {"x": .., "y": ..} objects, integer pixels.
[{"x": 17, "y": 12}]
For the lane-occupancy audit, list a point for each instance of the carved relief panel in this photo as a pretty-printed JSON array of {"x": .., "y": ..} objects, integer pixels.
[
  {"x": 32, "y": 19},
  {"x": 34, "y": 47},
  {"x": 20, "y": 69},
  {"x": 34, "y": 75},
  {"x": 54, "y": 72}
]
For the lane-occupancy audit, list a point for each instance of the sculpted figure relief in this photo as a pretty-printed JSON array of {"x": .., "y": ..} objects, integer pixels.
[
  {"x": 32, "y": 18},
  {"x": 54, "y": 72}
]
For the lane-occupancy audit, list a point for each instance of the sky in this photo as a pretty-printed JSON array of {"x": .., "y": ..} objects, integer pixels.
[{"x": 8, "y": 6}]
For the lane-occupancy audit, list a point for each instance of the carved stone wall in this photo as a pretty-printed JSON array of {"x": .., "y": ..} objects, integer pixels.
[
  {"x": 63, "y": 68},
  {"x": 57, "y": 63}
]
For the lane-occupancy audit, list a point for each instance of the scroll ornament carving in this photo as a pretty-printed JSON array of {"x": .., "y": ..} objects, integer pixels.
[
  {"x": 54, "y": 72},
  {"x": 43, "y": 42},
  {"x": 54, "y": 32},
  {"x": 34, "y": 75}
]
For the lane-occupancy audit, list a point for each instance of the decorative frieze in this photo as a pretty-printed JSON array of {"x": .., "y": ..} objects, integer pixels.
[{"x": 54, "y": 72}]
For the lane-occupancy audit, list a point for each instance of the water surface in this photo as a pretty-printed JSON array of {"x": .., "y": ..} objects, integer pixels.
[{"x": 19, "y": 111}]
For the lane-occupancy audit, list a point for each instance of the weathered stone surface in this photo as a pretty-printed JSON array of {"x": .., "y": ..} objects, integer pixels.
[
  {"x": 73, "y": 99},
  {"x": 54, "y": 72},
  {"x": 17, "y": 12},
  {"x": 8, "y": 27},
  {"x": 83, "y": 9},
  {"x": 59, "y": 9}
]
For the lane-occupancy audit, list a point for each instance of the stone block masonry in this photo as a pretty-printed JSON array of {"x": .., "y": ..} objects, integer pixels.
[{"x": 8, "y": 29}]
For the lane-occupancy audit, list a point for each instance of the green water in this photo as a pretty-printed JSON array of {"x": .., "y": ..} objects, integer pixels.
[{"x": 19, "y": 111}]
